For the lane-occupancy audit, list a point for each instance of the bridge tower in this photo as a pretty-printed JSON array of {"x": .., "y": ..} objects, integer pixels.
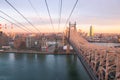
[
  {"x": 63, "y": 39},
  {"x": 71, "y": 26}
]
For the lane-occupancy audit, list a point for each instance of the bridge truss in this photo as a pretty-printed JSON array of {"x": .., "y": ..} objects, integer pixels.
[{"x": 103, "y": 61}]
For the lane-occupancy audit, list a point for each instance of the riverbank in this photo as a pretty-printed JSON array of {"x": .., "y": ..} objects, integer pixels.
[
  {"x": 115, "y": 45},
  {"x": 34, "y": 52}
]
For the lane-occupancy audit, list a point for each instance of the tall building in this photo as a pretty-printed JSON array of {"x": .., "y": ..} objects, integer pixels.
[
  {"x": 19, "y": 42},
  {"x": 3, "y": 40},
  {"x": 119, "y": 39},
  {"x": 91, "y": 31},
  {"x": 30, "y": 41},
  {"x": 0, "y": 29},
  {"x": 43, "y": 44}
]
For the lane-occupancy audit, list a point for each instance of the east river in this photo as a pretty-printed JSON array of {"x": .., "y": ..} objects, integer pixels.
[{"x": 15, "y": 66}]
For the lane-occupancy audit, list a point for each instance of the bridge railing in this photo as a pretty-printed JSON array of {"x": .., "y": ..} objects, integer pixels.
[{"x": 104, "y": 61}]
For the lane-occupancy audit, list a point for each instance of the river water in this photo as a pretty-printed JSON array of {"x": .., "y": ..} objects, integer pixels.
[{"x": 41, "y": 67}]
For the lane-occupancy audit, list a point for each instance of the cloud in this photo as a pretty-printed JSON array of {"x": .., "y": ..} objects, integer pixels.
[
  {"x": 95, "y": 20},
  {"x": 45, "y": 20}
]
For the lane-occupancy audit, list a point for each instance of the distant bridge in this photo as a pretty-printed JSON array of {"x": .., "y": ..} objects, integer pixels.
[{"x": 102, "y": 63}]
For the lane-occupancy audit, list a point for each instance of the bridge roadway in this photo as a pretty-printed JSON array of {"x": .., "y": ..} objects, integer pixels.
[{"x": 102, "y": 63}]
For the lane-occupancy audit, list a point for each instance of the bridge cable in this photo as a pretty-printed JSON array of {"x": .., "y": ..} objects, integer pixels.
[
  {"x": 34, "y": 8},
  {"x": 29, "y": 1},
  {"x": 15, "y": 20},
  {"x": 60, "y": 11},
  {"x": 49, "y": 15},
  {"x": 71, "y": 13},
  {"x": 14, "y": 24},
  {"x": 22, "y": 15}
]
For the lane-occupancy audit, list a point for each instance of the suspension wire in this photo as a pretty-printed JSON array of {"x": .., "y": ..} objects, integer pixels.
[
  {"x": 14, "y": 24},
  {"x": 34, "y": 8},
  {"x": 22, "y": 15},
  {"x": 71, "y": 13},
  {"x": 49, "y": 15},
  {"x": 15, "y": 20},
  {"x": 60, "y": 11}
]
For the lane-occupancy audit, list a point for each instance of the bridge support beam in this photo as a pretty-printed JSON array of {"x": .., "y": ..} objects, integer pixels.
[
  {"x": 68, "y": 49},
  {"x": 68, "y": 35},
  {"x": 104, "y": 62},
  {"x": 118, "y": 66}
]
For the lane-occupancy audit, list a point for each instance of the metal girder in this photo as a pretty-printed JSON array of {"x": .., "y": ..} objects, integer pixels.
[{"x": 105, "y": 62}]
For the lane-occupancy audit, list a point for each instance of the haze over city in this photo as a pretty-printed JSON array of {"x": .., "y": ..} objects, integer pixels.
[
  {"x": 59, "y": 39},
  {"x": 104, "y": 15}
]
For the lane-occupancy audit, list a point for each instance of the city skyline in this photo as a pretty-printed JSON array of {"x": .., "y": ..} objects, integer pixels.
[{"x": 103, "y": 14}]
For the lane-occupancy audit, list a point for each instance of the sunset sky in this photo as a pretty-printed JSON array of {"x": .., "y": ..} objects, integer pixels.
[{"x": 104, "y": 15}]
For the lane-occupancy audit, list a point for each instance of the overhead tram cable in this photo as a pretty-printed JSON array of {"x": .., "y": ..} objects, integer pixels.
[
  {"x": 49, "y": 15},
  {"x": 15, "y": 20},
  {"x": 59, "y": 17},
  {"x": 22, "y": 15},
  {"x": 34, "y": 8},
  {"x": 14, "y": 24},
  {"x": 60, "y": 11},
  {"x": 71, "y": 13}
]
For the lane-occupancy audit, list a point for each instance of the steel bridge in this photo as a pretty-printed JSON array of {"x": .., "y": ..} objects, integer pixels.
[{"x": 102, "y": 63}]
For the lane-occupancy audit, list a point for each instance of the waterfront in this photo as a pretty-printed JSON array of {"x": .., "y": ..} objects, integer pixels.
[
  {"x": 41, "y": 67},
  {"x": 107, "y": 44}
]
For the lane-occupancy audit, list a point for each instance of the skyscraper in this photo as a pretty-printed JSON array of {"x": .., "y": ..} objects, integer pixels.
[{"x": 91, "y": 31}]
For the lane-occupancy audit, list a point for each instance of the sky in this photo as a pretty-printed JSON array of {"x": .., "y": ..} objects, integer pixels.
[{"x": 103, "y": 15}]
